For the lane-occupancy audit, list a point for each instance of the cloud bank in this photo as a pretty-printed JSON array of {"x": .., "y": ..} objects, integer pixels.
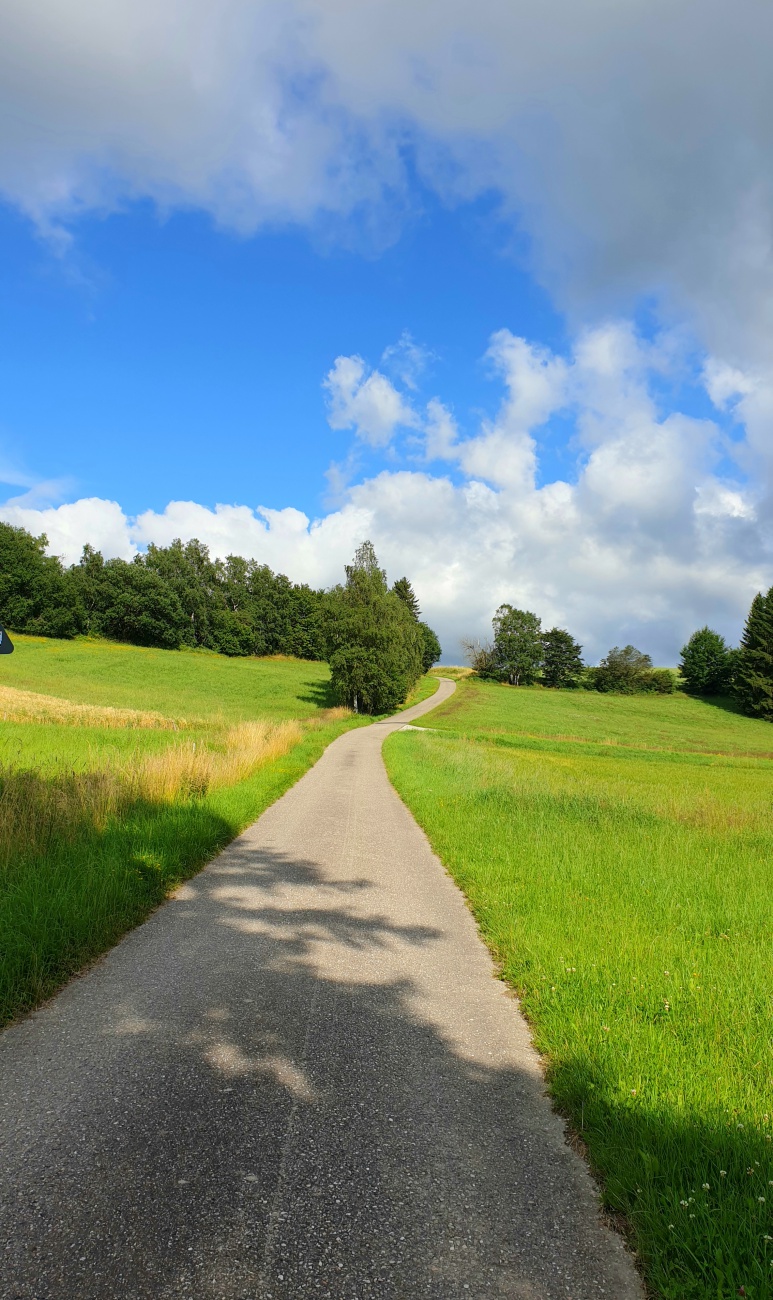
[
  {"x": 657, "y": 529},
  {"x": 633, "y": 144}
]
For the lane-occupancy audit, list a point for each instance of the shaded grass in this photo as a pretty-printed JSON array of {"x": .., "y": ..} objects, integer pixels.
[
  {"x": 627, "y": 896},
  {"x": 174, "y": 683}
]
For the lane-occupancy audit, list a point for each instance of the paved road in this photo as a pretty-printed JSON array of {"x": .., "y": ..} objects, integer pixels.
[{"x": 298, "y": 1079}]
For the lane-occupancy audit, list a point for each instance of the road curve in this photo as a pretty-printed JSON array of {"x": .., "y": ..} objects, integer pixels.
[{"x": 298, "y": 1079}]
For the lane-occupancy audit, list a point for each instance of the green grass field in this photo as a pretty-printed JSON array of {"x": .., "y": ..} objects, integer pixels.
[
  {"x": 98, "y": 823},
  {"x": 194, "y": 685},
  {"x": 617, "y": 853}
]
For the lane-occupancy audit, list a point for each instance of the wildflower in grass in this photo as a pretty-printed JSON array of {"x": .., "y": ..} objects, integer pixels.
[
  {"x": 761, "y": 1200},
  {"x": 684, "y": 1204},
  {"x": 705, "y": 1187},
  {"x": 723, "y": 1173}
]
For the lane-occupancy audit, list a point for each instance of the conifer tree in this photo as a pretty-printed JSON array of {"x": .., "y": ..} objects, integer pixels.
[
  {"x": 404, "y": 590},
  {"x": 562, "y": 664},
  {"x": 754, "y": 672}
]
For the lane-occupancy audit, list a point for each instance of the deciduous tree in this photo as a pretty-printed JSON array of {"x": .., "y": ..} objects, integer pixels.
[
  {"x": 376, "y": 643},
  {"x": 517, "y": 645}
]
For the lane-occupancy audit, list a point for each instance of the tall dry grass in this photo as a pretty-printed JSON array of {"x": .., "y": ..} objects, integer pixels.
[
  {"x": 28, "y": 706},
  {"x": 191, "y": 769},
  {"x": 37, "y": 810}
]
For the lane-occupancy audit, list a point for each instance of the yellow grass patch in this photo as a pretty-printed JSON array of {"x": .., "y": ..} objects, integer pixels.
[
  {"x": 35, "y": 809},
  {"x": 193, "y": 768},
  {"x": 27, "y": 706}
]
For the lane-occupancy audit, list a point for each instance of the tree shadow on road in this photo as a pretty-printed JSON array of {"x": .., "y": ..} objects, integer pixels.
[{"x": 275, "y": 1114}]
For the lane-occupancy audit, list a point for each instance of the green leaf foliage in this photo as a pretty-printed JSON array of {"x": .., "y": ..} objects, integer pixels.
[
  {"x": 625, "y": 672},
  {"x": 517, "y": 645},
  {"x": 707, "y": 663},
  {"x": 169, "y": 597},
  {"x": 431, "y": 650},
  {"x": 376, "y": 644},
  {"x": 562, "y": 664},
  {"x": 33, "y": 589}
]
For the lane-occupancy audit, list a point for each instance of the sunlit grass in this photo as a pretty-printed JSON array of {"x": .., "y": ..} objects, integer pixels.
[
  {"x": 105, "y": 807},
  {"x": 627, "y": 894},
  {"x": 175, "y": 683},
  {"x": 679, "y": 722}
]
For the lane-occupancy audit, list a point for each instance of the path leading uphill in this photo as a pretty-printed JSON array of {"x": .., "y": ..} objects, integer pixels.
[{"x": 298, "y": 1079}]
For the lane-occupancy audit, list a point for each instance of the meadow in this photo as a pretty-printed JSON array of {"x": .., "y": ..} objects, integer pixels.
[
  {"x": 122, "y": 771},
  {"x": 616, "y": 852}
]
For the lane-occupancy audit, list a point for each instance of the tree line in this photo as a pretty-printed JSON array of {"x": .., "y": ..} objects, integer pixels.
[
  {"x": 521, "y": 653},
  {"x": 179, "y": 596}
]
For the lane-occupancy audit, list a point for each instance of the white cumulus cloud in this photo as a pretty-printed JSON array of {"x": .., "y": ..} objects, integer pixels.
[
  {"x": 651, "y": 535},
  {"x": 632, "y": 143},
  {"x": 365, "y": 401}
]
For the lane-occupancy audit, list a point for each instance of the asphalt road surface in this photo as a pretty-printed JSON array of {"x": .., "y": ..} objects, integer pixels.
[{"x": 300, "y": 1078}]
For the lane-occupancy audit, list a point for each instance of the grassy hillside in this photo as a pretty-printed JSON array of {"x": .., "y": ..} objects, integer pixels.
[
  {"x": 618, "y": 854},
  {"x": 122, "y": 771},
  {"x": 177, "y": 683}
]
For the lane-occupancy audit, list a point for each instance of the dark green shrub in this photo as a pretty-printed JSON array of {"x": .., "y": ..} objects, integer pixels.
[
  {"x": 662, "y": 681},
  {"x": 624, "y": 672}
]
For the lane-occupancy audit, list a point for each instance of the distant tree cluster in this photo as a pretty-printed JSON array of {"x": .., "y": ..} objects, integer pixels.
[
  {"x": 178, "y": 596},
  {"x": 171, "y": 596},
  {"x": 521, "y": 653}
]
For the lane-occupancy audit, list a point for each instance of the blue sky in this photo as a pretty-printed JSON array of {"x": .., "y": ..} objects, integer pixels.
[
  {"x": 167, "y": 358},
  {"x": 492, "y": 289}
]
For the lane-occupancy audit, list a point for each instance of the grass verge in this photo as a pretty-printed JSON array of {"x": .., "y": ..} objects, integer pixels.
[
  {"x": 625, "y": 888},
  {"x": 109, "y": 797},
  {"x": 88, "y": 854}
]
